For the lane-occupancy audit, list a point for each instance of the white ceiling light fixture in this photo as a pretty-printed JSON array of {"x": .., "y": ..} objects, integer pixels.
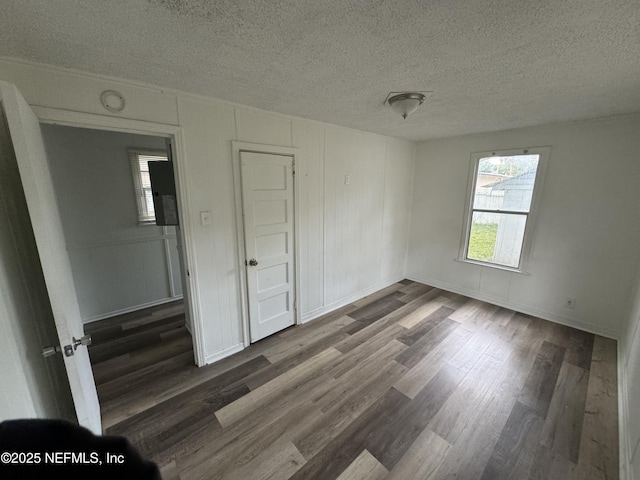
[{"x": 405, "y": 103}]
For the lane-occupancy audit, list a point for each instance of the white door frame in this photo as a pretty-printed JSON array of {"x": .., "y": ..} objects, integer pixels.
[
  {"x": 102, "y": 122},
  {"x": 236, "y": 148}
]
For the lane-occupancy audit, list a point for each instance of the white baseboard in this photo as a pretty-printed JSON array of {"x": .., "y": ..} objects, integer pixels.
[
  {"x": 626, "y": 472},
  {"x": 527, "y": 309},
  {"x": 214, "y": 357},
  {"x": 122, "y": 311},
  {"x": 307, "y": 317}
]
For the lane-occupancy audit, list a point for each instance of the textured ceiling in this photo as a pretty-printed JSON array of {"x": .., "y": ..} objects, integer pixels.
[{"x": 492, "y": 64}]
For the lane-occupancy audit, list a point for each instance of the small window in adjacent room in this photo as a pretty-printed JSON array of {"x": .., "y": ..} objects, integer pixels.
[
  {"x": 140, "y": 167},
  {"x": 503, "y": 191}
]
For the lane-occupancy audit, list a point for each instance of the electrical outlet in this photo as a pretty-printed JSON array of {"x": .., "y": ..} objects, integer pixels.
[{"x": 569, "y": 302}]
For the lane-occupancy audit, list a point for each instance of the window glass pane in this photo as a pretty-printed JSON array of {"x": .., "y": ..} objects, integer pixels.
[
  {"x": 145, "y": 179},
  {"x": 148, "y": 198},
  {"x": 496, "y": 238},
  {"x": 142, "y": 182},
  {"x": 505, "y": 183}
]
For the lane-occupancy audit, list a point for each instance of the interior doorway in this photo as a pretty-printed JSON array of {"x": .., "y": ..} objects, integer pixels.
[
  {"x": 127, "y": 270},
  {"x": 267, "y": 210},
  {"x": 265, "y": 187}
]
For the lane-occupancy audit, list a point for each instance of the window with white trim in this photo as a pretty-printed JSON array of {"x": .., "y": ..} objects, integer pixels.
[
  {"x": 503, "y": 191},
  {"x": 142, "y": 183}
]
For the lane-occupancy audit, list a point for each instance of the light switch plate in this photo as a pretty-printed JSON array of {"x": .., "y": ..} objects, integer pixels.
[{"x": 205, "y": 218}]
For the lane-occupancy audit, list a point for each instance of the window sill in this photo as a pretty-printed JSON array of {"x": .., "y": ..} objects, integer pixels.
[{"x": 492, "y": 265}]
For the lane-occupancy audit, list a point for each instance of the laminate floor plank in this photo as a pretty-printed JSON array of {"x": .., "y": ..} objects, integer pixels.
[
  {"x": 422, "y": 459},
  {"x": 411, "y": 292},
  {"x": 541, "y": 381},
  {"x": 364, "y": 467},
  {"x": 410, "y": 382},
  {"x": 289, "y": 380},
  {"x": 322, "y": 432},
  {"x": 366, "y": 331},
  {"x": 244, "y": 449},
  {"x": 426, "y": 325},
  {"x": 433, "y": 303},
  {"x": 473, "y": 438},
  {"x": 455, "y": 300},
  {"x": 466, "y": 311},
  {"x": 280, "y": 460},
  {"x": 131, "y": 362},
  {"x": 562, "y": 429},
  {"x": 512, "y": 328},
  {"x": 421, "y": 348},
  {"x": 305, "y": 338},
  {"x": 137, "y": 318},
  {"x": 281, "y": 416},
  {"x": 392, "y": 441},
  {"x": 379, "y": 308},
  {"x": 120, "y": 386},
  {"x": 99, "y": 352},
  {"x": 580, "y": 349},
  {"x": 337, "y": 455},
  {"x": 520, "y": 431},
  {"x": 353, "y": 378},
  {"x": 459, "y": 411},
  {"x": 119, "y": 331},
  {"x": 353, "y": 358},
  {"x": 379, "y": 294},
  {"x": 273, "y": 371},
  {"x": 599, "y": 444},
  {"x": 421, "y": 373},
  {"x": 286, "y": 417},
  {"x": 208, "y": 396}
]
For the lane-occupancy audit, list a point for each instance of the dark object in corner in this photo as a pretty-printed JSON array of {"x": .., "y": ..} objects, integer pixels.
[{"x": 33, "y": 448}]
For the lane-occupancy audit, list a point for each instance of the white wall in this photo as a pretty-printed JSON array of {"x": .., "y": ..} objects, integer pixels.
[
  {"x": 32, "y": 386},
  {"x": 118, "y": 265},
  {"x": 368, "y": 232},
  {"x": 586, "y": 235},
  {"x": 348, "y": 245}
]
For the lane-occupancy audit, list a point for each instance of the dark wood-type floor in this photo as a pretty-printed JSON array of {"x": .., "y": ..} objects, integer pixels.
[{"x": 409, "y": 383}]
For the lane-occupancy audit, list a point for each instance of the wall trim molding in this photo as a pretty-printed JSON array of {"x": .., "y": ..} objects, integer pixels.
[
  {"x": 624, "y": 445},
  {"x": 118, "y": 242},
  {"x": 135, "y": 308},
  {"x": 318, "y": 312},
  {"x": 527, "y": 309},
  {"x": 226, "y": 352}
]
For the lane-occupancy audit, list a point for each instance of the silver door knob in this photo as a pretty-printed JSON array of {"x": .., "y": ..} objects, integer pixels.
[
  {"x": 253, "y": 262},
  {"x": 49, "y": 351},
  {"x": 86, "y": 340}
]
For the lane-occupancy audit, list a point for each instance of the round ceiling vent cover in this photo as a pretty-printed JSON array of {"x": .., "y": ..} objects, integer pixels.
[{"x": 112, "y": 101}]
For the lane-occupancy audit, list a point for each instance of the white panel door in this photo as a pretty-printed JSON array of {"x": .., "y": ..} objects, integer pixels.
[
  {"x": 267, "y": 200},
  {"x": 47, "y": 228}
]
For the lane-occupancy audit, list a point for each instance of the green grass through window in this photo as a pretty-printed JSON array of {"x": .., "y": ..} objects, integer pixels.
[{"x": 482, "y": 241}]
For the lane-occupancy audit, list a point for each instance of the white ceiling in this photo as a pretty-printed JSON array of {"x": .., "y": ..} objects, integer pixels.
[{"x": 492, "y": 64}]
